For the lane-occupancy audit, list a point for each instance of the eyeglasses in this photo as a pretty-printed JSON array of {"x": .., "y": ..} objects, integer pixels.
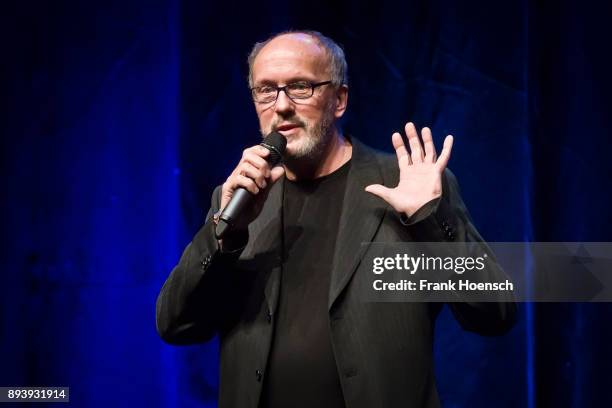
[{"x": 294, "y": 90}]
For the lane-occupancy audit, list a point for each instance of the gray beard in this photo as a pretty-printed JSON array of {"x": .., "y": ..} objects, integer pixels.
[{"x": 315, "y": 145}]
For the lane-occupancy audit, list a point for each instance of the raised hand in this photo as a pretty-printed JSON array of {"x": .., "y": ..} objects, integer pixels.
[{"x": 421, "y": 171}]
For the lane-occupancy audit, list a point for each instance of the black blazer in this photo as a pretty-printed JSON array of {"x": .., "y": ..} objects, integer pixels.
[{"x": 383, "y": 350}]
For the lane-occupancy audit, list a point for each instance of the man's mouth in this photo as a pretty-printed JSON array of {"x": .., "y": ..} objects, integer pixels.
[{"x": 287, "y": 128}]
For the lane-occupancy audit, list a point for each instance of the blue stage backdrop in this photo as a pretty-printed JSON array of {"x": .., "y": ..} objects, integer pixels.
[{"x": 124, "y": 115}]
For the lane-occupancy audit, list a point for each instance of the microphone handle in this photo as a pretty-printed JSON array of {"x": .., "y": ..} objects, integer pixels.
[{"x": 241, "y": 199}]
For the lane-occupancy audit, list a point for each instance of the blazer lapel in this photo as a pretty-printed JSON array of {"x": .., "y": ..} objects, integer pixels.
[
  {"x": 264, "y": 253},
  {"x": 362, "y": 214}
]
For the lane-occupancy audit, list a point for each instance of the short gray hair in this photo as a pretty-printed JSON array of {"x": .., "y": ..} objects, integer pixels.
[{"x": 337, "y": 61}]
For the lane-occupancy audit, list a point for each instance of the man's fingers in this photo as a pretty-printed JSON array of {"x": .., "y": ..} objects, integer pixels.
[
  {"x": 258, "y": 150},
  {"x": 415, "y": 143},
  {"x": 252, "y": 156},
  {"x": 400, "y": 149},
  {"x": 445, "y": 153},
  {"x": 252, "y": 173},
  {"x": 428, "y": 144},
  {"x": 245, "y": 182},
  {"x": 276, "y": 173},
  {"x": 257, "y": 175},
  {"x": 379, "y": 190}
]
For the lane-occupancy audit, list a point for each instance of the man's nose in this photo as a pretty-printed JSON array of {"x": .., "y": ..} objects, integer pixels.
[{"x": 284, "y": 104}]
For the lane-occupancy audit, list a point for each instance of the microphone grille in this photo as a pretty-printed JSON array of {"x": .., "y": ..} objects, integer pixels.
[{"x": 276, "y": 143}]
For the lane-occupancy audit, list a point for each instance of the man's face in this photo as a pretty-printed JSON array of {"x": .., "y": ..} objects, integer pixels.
[{"x": 307, "y": 124}]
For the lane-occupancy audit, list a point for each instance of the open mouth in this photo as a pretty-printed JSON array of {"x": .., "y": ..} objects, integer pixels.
[{"x": 288, "y": 128}]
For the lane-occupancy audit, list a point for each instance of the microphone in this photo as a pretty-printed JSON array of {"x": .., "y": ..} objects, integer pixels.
[{"x": 242, "y": 198}]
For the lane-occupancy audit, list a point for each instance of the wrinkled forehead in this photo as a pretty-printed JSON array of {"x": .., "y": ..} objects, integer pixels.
[{"x": 289, "y": 55}]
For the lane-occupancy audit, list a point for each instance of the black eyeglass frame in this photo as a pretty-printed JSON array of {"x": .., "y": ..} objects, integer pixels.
[{"x": 313, "y": 86}]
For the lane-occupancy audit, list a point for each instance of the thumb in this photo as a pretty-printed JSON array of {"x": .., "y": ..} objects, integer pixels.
[
  {"x": 379, "y": 190},
  {"x": 276, "y": 173}
]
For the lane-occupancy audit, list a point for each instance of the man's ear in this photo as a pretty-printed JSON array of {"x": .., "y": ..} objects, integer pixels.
[{"x": 341, "y": 101}]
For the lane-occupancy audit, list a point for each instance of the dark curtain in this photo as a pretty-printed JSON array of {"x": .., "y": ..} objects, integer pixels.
[{"x": 121, "y": 116}]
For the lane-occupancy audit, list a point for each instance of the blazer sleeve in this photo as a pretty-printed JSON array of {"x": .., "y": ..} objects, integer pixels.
[
  {"x": 189, "y": 306},
  {"x": 448, "y": 220}
]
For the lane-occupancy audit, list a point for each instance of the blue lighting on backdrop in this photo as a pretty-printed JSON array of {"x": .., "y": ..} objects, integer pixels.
[{"x": 124, "y": 115}]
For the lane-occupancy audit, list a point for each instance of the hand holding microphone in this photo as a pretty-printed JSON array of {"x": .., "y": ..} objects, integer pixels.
[{"x": 245, "y": 190}]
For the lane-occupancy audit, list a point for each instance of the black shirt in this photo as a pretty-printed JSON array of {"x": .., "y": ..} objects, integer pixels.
[{"x": 302, "y": 370}]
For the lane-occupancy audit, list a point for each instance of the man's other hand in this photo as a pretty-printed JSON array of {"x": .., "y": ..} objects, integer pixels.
[{"x": 421, "y": 171}]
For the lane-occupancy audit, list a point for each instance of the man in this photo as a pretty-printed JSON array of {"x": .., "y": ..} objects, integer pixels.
[{"x": 280, "y": 289}]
